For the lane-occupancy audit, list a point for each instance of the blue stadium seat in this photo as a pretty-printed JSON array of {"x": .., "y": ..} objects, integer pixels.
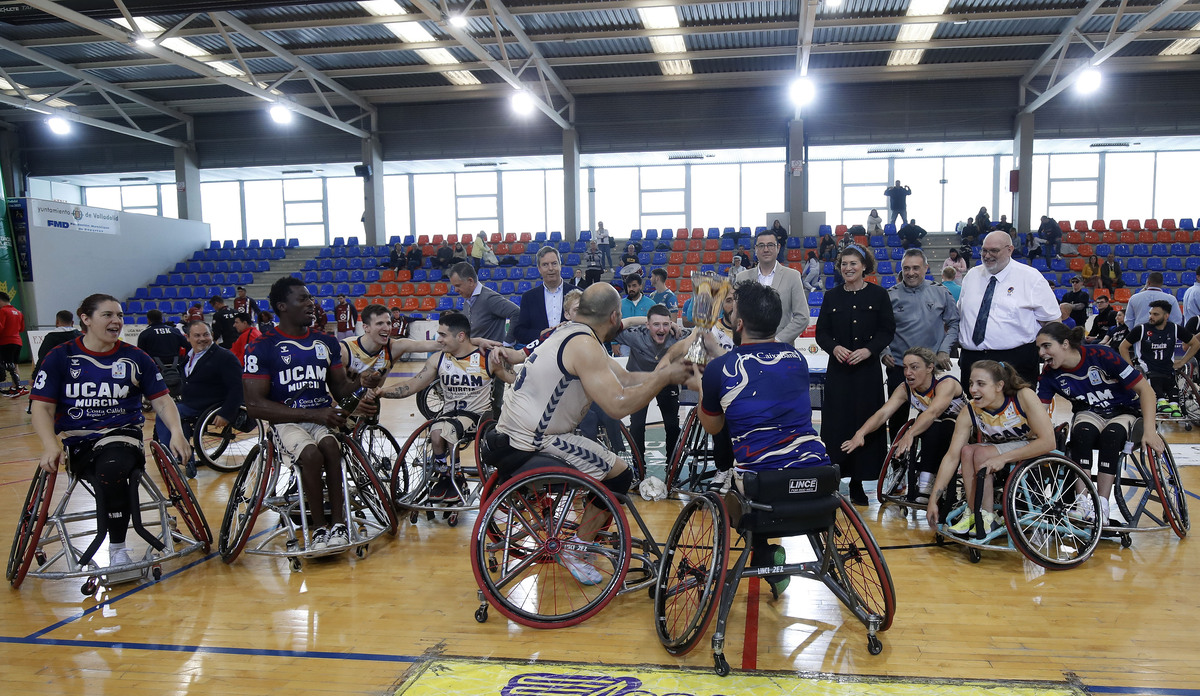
[
  {"x": 708, "y": 268},
  {"x": 1135, "y": 264},
  {"x": 744, "y": 232},
  {"x": 659, "y": 258},
  {"x": 214, "y": 244},
  {"x": 445, "y": 303},
  {"x": 1179, "y": 249},
  {"x": 647, "y": 245},
  {"x": 824, "y": 230},
  {"x": 309, "y": 277},
  {"x": 268, "y": 244},
  {"x": 373, "y": 275},
  {"x": 662, "y": 234},
  {"x": 1174, "y": 264},
  {"x": 1188, "y": 277},
  {"x": 246, "y": 279},
  {"x": 635, "y": 235},
  {"x": 809, "y": 243},
  {"x": 1060, "y": 293},
  {"x": 887, "y": 281},
  {"x": 486, "y": 273},
  {"x": 141, "y": 294},
  {"x": 573, "y": 259},
  {"x": 341, "y": 276},
  {"x": 1040, "y": 264},
  {"x": 184, "y": 293},
  {"x": 531, "y": 273},
  {"x": 1103, "y": 250},
  {"x": 356, "y": 276},
  {"x": 1123, "y": 250},
  {"x": 324, "y": 253},
  {"x": 358, "y": 290},
  {"x": 353, "y": 252},
  {"x": 409, "y": 239},
  {"x": 1141, "y": 250},
  {"x": 1171, "y": 279},
  {"x": 298, "y": 275},
  {"x": 539, "y": 237},
  {"x": 651, "y": 234},
  {"x": 339, "y": 241},
  {"x": 341, "y": 264},
  {"x": 1192, "y": 263},
  {"x": 793, "y": 243},
  {"x": 644, "y": 258},
  {"x": 325, "y": 290},
  {"x": 1159, "y": 250},
  {"x": 342, "y": 289},
  {"x": 877, "y": 241},
  {"x": 1057, "y": 265},
  {"x": 175, "y": 279},
  {"x": 554, "y": 237},
  {"x": 507, "y": 287},
  {"x": 897, "y": 254},
  {"x": 828, "y": 268},
  {"x": 353, "y": 241},
  {"x": 240, "y": 244},
  {"x": 189, "y": 279},
  {"x": 1155, "y": 264},
  {"x": 420, "y": 275},
  {"x": 325, "y": 276},
  {"x": 890, "y": 230},
  {"x": 133, "y": 307},
  {"x": 830, "y": 282},
  {"x": 227, "y": 244},
  {"x": 323, "y": 264},
  {"x": 1187, "y": 224},
  {"x": 181, "y": 267},
  {"x": 884, "y": 268},
  {"x": 354, "y": 264},
  {"x": 564, "y": 247},
  {"x": 1051, "y": 277},
  {"x": 1129, "y": 278},
  {"x": 339, "y": 252},
  {"x": 713, "y": 233},
  {"x": 727, "y": 244},
  {"x": 170, "y": 292},
  {"x": 815, "y": 298},
  {"x": 524, "y": 286}
]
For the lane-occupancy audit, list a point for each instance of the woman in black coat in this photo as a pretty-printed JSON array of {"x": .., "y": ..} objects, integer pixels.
[{"x": 854, "y": 327}]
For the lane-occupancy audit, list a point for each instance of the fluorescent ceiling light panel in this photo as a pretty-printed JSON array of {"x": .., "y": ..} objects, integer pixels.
[
  {"x": 924, "y": 8},
  {"x": 414, "y": 32},
  {"x": 911, "y": 33},
  {"x": 1182, "y": 47},
  {"x": 905, "y": 57},
  {"x": 659, "y": 17},
  {"x": 916, "y": 32},
  {"x": 668, "y": 44},
  {"x": 666, "y": 18},
  {"x": 462, "y": 77}
]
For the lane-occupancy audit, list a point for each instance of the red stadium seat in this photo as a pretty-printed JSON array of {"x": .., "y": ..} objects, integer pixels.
[
  {"x": 795, "y": 254},
  {"x": 1145, "y": 237},
  {"x": 361, "y": 303},
  {"x": 1116, "y": 225},
  {"x": 1091, "y": 237},
  {"x": 406, "y": 289},
  {"x": 679, "y": 245},
  {"x": 440, "y": 289},
  {"x": 840, "y": 230},
  {"x": 1129, "y": 237},
  {"x": 1164, "y": 237},
  {"x": 374, "y": 290},
  {"x": 671, "y": 283},
  {"x": 696, "y": 245},
  {"x": 708, "y": 257},
  {"x": 725, "y": 257},
  {"x": 410, "y": 304},
  {"x": 712, "y": 245},
  {"x": 403, "y": 276},
  {"x": 1150, "y": 224},
  {"x": 1098, "y": 225},
  {"x": 510, "y": 237},
  {"x": 697, "y": 233},
  {"x": 422, "y": 289},
  {"x": 1086, "y": 250},
  {"x": 516, "y": 248},
  {"x": 1076, "y": 264},
  {"x": 502, "y": 249},
  {"x": 673, "y": 271},
  {"x": 685, "y": 284},
  {"x": 676, "y": 258},
  {"x": 429, "y": 250},
  {"x": 422, "y": 240},
  {"x": 387, "y": 276},
  {"x": 1134, "y": 225},
  {"x": 692, "y": 257},
  {"x": 395, "y": 302},
  {"x": 1073, "y": 237},
  {"x": 1081, "y": 226},
  {"x": 1122, "y": 294},
  {"x": 1064, "y": 225},
  {"x": 391, "y": 289},
  {"x": 1110, "y": 237},
  {"x": 437, "y": 239},
  {"x": 525, "y": 238},
  {"x": 428, "y": 304},
  {"x": 1183, "y": 236},
  {"x": 1169, "y": 224}
]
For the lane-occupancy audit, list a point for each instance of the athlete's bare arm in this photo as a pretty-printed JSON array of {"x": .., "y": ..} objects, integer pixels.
[
  {"x": 614, "y": 389},
  {"x": 416, "y": 383}
]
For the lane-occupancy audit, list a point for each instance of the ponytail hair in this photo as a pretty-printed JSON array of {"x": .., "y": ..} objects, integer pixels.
[
  {"x": 1002, "y": 372},
  {"x": 1060, "y": 332},
  {"x": 926, "y": 355}
]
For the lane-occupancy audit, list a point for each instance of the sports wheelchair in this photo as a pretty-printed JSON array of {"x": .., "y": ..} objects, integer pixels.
[
  {"x": 693, "y": 463},
  {"x": 1038, "y": 498},
  {"x": 1188, "y": 395},
  {"x": 421, "y": 483},
  {"x": 52, "y": 538},
  {"x": 224, "y": 449},
  {"x": 1147, "y": 492},
  {"x": 264, "y": 483},
  {"x": 899, "y": 475},
  {"x": 694, "y": 571}
]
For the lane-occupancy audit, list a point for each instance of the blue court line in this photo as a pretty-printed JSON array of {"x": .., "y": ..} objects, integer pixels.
[
  {"x": 171, "y": 647},
  {"x": 1152, "y": 691}
]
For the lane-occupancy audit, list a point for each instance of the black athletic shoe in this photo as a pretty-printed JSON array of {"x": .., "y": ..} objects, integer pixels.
[{"x": 857, "y": 495}]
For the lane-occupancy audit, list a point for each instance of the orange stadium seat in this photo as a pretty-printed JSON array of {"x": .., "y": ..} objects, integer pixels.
[
  {"x": 525, "y": 238},
  {"x": 673, "y": 271},
  {"x": 510, "y": 237},
  {"x": 1133, "y": 225},
  {"x": 698, "y": 233},
  {"x": 1116, "y": 226},
  {"x": 429, "y": 250},
  {"x": 679, "y": 245},
  {"x": 676, "y": 258},
  {"x": 422, "y": 289},
  {"x": 391, "y": 290},
  {"x": 1086, "y": 250},
  {"x": 1064, "y": 225},
  {"x": 712, "y": 244},
  {"x": 696, "y": 245},
  {"x": 1164, "y": 237},
  {"x": 725, "y": 257},
  {"x": 452, "y": 238},
  {"x": 395, "y": 302},
  {"x": 1110, "y": 237},
  {"x": 516, "y": 248},
  {"x": 685, "y": 284},
  {"x": 1076, "y": 264},
  {"x": 1098, "y": 225},
  {"x": 1145, "y": 237},
  {"x": 792, "y": 255},
  {"x": 403, "y": 276},
  {"x": 671, "y": 283},
  {"x": 1150, "y": 224},
  {"x": 1091, "y": 237},
  {"x": 840, "y": 230},
  {"x": 437, "y": 239},
  {"x": 495, "y": 238},
  {"x": 1073, "y": 237},
  {"x": 708, "y": 257},
  {"x": 1081, "y": 226},
  {"x": 861, "y": 240},
  {"x": 502, "y": 249},
  {"x": 428, "y": 304},
  {"x": 682, "y": 231},
  {"x": 692, "y": 257},
  {"x": 374, "y": 290},
  {"x": 406, "y": 290},
  {"x": 1122, "y": 294},
  {"x": 1129, "y": 237},
  {"x": 361, "y": 303},
  {"x": 411, "y": 304},
  {"x": 440, "y": 289},
  {"x": 1168, "y": 224},
  {"x": 387, "y": 276},
  {"x": 1183, "y": 236}
]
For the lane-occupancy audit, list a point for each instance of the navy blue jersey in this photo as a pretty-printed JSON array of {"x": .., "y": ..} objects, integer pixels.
[
  {"x": 762, "y": 389},
  {"x": 96, "y": 392},
  {"x": 1102, "y": 382},
  {"x": 298, "y": 366},
  {"x": 1155, "y": 348}
]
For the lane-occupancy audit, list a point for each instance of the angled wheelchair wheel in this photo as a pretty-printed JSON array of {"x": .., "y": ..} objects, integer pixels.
[
  {"x": 413, "y": 469},
  {"x": 526, "y": 533},
  {"x": 692, "y": 464},
  {"x": 861, "y": 570},
  {"x": 628, "y": 451},
  {"x": 379, "y": 447},
  {"x": 1038, "y": 501},
  {"x": 29, "y": 526},
  {"x": 1170, "y": 490},
  {"x": 482, "y": 470},
  {"x": 181, "y": 496},
  {"x": 246, "y": 498},
  {"x": 223, "y": 449},
  {"x": 430, "y": 400},
  {"x": 368, "y": 490},
  {"x": 1131, "y": 485},
  {"x": 1189, "y": 396},
  {"x": 893, "y": 476},
  {"x": 691, "y": 574}
]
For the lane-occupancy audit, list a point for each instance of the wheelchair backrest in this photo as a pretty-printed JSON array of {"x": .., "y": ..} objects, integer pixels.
[{"x": 791, "y": 485}]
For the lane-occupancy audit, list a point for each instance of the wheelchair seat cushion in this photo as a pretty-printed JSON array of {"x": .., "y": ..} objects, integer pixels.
[{"x": 801, "y": 500}]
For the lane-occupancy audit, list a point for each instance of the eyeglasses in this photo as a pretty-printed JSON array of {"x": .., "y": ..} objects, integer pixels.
[
  {"x": 766, "y": 246},
  {"x": 992, "y": 252}
]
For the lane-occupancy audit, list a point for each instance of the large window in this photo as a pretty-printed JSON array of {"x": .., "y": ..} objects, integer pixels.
[
  {"x": 1074, "y": 187},
  {"x": 664, "y": 192},
  {"x": 712, "y": 204},
  {"x": 924, "y": 177},
  {"x": 396, "y": 206},
  {"x": 221, "y": 208},
  {"x": 524, "y": 208},
  {"x": 762, "y": 192},
  {"x": 1174, "y": 186},
  {"x": 264, "y": 209},
  {"x": 435, "y": 205},
  {"x": 968, "y": 187},
  {"x": 1128, "y": 184},
  {"x": 617, "y": 195},
  {"x": 346, "y": 206}
]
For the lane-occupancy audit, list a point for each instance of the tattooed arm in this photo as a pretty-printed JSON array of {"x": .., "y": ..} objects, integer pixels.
[{"x": 428, "y": 373}]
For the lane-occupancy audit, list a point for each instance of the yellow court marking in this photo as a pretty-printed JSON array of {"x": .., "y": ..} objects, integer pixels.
[{"x": 439, "y": 677}]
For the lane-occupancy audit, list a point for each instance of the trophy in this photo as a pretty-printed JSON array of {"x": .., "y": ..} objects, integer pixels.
[{"x": 708, "y": 296}]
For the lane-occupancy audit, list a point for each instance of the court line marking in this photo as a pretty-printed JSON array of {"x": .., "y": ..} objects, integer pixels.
[
  {"x": 750, "y": 643},
  {"x": 1151, "y": 690},
  {"x": 214, "y": 649}
]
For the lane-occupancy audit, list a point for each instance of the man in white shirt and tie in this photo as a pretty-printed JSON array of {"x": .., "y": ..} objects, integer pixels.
[{"x": 1003, "y": 304}]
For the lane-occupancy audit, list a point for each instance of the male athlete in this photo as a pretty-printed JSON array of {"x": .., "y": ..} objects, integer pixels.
[{"x": 1156, "y": 341}]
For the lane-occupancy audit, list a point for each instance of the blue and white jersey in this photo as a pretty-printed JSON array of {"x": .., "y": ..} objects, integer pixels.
[
  {"x": 94, "y": 393},
  {"x": 762, "y": 389},
  {"x": 1102, "y": 382},
  {"x": 298, "y": 367}
]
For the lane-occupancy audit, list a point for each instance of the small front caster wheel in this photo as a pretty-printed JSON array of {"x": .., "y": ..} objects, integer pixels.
[
  {"x": 295, "y": 564},
  {"x": 89, "y": 587},
  {"x": 481, "y": 614},
  {"x": 720, "y": 665},
  {"x": 974, "y": 555},
  {"x": 360, "y": 551},
  {"x": 156, "y": 571},
  {"x": 874, "y": 645}
]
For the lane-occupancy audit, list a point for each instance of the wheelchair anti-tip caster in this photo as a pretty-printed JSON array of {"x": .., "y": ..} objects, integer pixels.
[
  {"x": 452, "y": 519},
  {"x": 295, "y": 564},
  {"x": 1126, "y": 541},
  {"x": 360, "y": 551},
  {"x": 974, "y": 555},
  {"x": 874, "y": 645},
  {"x": 413, "y": 517},
  {"x": 720, "y": 665},
  {"x": 939, "y": 539},
  {"x": 89, "y": 587},
  {"x": 481, "y": 614},
  {"x": 156, "y": 572}
]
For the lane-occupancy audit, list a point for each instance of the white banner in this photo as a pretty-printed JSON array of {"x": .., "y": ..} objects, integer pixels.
[{"x": 74, "y": 217}]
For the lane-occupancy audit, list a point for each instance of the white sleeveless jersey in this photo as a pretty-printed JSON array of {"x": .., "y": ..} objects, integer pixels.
[
  {"x": 921, "y": 400},
  {"x": 361, "y": 360},
  {"x": 723, "y": 335},
  {"x": 545, "y": 399},
  {"x": 466, "y": 383},
  {"x": 1006, "y": 424}
]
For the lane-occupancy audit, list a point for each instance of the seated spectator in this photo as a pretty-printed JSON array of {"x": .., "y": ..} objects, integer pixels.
[
  {"x": 630, "y": 255},
  {"x": 1117, "y": 333},
  {"x": 969, "y": 233},
  {"x": 1033, "y": 246},
  {"x": 874, "y": 223},
  {"x": 828, "y": 248},
  {"x": 983, "y": 221},
  {"x": 444, "y": 258},
  {"x": 911, "y": 235},
  {"x": 1066, "y": 308},
  {"x": 1110, "y": 274},
  {"x": 396, "y": 258},
  {"x": 415, "y": 258},
  {"x": 747, "y": 262},
  {"x": 460, "y": 253},
  {"x": 956, "y": 261},
  {"x": 1105, "y": 319},
  {"x": 1091, "y": 272},
  {"x": 1052, "y": 234},
  {"x": 950, "y": 281},
  {"x": 812, "y": 272},
  {"x": 781, "y": 234}
]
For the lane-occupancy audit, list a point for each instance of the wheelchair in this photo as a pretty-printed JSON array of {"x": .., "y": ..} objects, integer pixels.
[
  {"x": 1148, "y": 492},
  {"x": 693, "y": 463},
  {"x": 1036, "y": 497},
  {"x": 224, "y": 449},
  {"x": 263, "y": 483},
  {"x": 1188, "y": 395},
  {"x": 529, "y": 519},
  {"x": 415, "y": 471},
  {"x": 377, "y": 443},
  {"x": 48, "y": 543},
  {"x": 898, "y": 476},
  {"x": 694, "y": 579}
]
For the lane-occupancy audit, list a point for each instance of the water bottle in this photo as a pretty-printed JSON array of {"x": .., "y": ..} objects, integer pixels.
[{"x": 350, "y": 403}]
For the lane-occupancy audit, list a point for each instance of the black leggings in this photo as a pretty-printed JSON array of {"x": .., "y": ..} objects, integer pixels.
[
  {"x": 935, "y": 441},
  {"x": 1110, "y": 442}
]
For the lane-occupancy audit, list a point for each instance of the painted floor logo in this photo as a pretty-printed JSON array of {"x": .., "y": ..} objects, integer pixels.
[{"x": 500, "y": 678}]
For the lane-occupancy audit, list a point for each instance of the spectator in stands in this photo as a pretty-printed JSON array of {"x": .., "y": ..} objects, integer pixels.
[
  {"x": 1052, "y": 233},
  {"x": 396, "y": 258},
  {"x": 874, "y": 223},
  {"x": 781, "y": 234},
  {"x": 1117, "y": 333},
  {"x": 248, "y": 334},
  {"x": 1005, "y": 226},
  {"x": 211, "y": 375},
  {"x": 630, "y": 255},
  {"x": 1110, "y": 273},
  {"x": 477, "y": 249},
  {"x": 1090, "y": 273},
  {"x": 635, "y": 304},
  {"x": 264, "y": 320},
  {"x": 897, "y": 206},
  {"x": 1137, "y": 312},
  {"x": 969, "y": 233},
  {"x": 488, "y": 311},
  {"x": 828, "y": 247},
  {"x": 950, "y": 282},
  {"x": 604, "y": 242},
  {"x": 983, "y": 221},
  {"x": 747, "y": 262},
  {"x": 1105, "y": 319},
  {"x": 594, "y": 263},
  {"x": 320, "y": 319},
  {"x": 542, "y": 307},
  {"x": 243, "y": 302},
  {"x": 64, "y": 330},
  {"x": 662, "y": 294},
  {"x": 399, "y": 323},
  {"x": 415, "y": 258},
  {"x": 812, "y": 272},
  {"x": 910, "y": 238},
  {"x": 460, "y": 253},
  {"x": 222, "y": 322},
  {"x": 1065, "y": 309},
  {"x": 1033, "y": 246},
  {"x": 444, "y": 258},
  {"x": 735, "y": 267},
  {"x": 956, "y": 261},
  {"x": 346, "y": 316},
  {"x": 1080, "y": 301},
  {"x": 194, "y": 313},
  {"x": 1191, "y": 303}
]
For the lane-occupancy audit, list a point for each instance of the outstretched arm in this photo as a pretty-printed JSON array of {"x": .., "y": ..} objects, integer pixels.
[
  {"x": 898, "y": 398},
  {"x": 612, "y": 387},
  {"x": 949, "y": 464},
  {"x": 413, "y": 384}
]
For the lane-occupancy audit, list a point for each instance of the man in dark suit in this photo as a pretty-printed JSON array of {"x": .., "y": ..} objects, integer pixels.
[
  {"x": 211, "y": 375},
  {"x": 542, "y": 307}
]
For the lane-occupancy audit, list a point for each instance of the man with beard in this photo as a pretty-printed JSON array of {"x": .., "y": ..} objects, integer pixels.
[
  {"x": 1156, "y": 342},
  {"x": 1105, "y": 319},
  {"x": 647, "y": 345},
  {"x": 635, "y": 303}
]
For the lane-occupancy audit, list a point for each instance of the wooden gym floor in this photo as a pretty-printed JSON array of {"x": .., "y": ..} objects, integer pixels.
[{"x": 1123, "y": 622}]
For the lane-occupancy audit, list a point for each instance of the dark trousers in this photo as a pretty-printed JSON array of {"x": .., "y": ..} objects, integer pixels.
[
  {"x": 895, "y": 377},
  {"x": 668, "y": 404},
  {"x": 902, "y": 213},
  {"x": 1024, "y": 360},
  {"x": 592, "y": 275}
]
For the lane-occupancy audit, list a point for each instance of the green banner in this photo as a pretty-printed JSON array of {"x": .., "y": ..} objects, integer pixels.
[{"x": 9, "y": 278}]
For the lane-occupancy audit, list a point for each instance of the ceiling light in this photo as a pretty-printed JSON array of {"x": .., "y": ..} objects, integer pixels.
[
  {"x": 458, "y": 21},
  {"x": 522, "y": 103},
  {"x": 833, "y": 4},
  {"x": 142, "y": 41},
  {"x": 1089, "y": 81},
  {"x": 281, "y": 114},
  {"x": 802, "y": 91},
  {"x": 58, "y": 125},
  {"x": 659, "y": 17}
]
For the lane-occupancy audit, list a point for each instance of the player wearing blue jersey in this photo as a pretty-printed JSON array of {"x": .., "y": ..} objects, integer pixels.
[
  {"x": 760, "y": 390},
  {"x": 1106, "y": 393},
  {"x": 288, "y": 378},
  {"x": 90, "y": 391}
]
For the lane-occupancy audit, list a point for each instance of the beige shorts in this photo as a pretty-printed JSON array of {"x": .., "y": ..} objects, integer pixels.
[
  {"x": 292, "y": 438},
  {"x": 588, "y": 456},
  {"x": 1003, "y": 447},
  {"x": 445, "y": 427},
  {"x": 1124, "y": 420}
]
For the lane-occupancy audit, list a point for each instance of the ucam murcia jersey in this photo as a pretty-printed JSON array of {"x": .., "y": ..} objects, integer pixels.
[
  {"x": 466, "y": 382},
  {"x": 724, "y": 335},
  {"x": 361, "y": 360},
  {"x": 1006, "y": 424},
  {"x": 921, "y": 400},
  {"x": 298, "y": 366},
  {"x": 1155, "y": 348},
  {"x": 1102, "y": 382},
  {"x": 545, "y": 399},
  {"x": 94, "y": 393}
]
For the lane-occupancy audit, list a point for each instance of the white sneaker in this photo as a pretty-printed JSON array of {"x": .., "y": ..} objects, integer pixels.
[
  {"x": 338, "y": 536},
  {"x": 721, "y": 481},
  {"x": 319, "y": 539},
  {"x": 1082, "y": 509},
  {"x": 580, "y": 565},
  {"x": 925, "y": 483},
  {"x": 119, "y": 557},
  {"x": 1104, "y": 518}
]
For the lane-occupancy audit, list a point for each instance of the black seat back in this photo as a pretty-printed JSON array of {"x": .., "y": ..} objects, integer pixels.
[{"x": 802, "y": 500}]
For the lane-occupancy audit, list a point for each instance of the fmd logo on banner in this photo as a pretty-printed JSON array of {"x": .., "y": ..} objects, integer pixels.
[{"x": 65, "y": 216}]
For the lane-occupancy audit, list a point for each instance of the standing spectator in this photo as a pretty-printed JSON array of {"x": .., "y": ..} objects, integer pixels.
[
  {"x": 64, "y": 330},
  {"x": 983, "y": 221},
  {"x": 161, "y": 341},
  {"x": 926, "y": 316},
  {"x": 910, "y": 238},
  {"x": 265, "y": 321},
  {"x": 950, "y": 282},
  {"x": 1105, "y": 319},
  {"x": 542, "y": 307},
  {"x": 874, "y": 223},
  {"x": 320, "y": 319},
  {"x": 243, "y": 303},
  {"x": 647, "y": 345},
  {"x": 1003, "y": 305},
  {"x": 786, "y": 281},
  {"x": 444, "y": 257},
  {"x": 741, "y": 252},
  {"x": 248, "y": 334},
  {"x": 1091, "y": 272},
  {"x": 604, "y": 242},
  {"x": 1080, "y": 301},
  {"x": 1052, "y": 233},
  {"x": 488, "y": 311},
  {"x": 222, "y": 322},
  {"x": 897, "y": 205},
  {"x": 630, "y": 255},
  {"x": 662, "y": 294},
  {"x": 594, "y": 262},
  {"x": 828, "y": 248},
  {"x": 812, "y": 273},
  {"x": 781, "y": 234},
  {"x": 1191, "y": 303},
  {"x": 635, "y": 304},
  {"x": 1110, "y": 273},
  {"x": 955, "y": 261},
  {"x": 855, "y": 326},
  {"x": 477, "y": 249},
  {"x": 396, "y": 258},
  {"x": 346, "y": 317},
  {"x": 969, "y": 233},
  {"x": 12, "y": 323},
  {"x": 1137, "y": 312},
  {"x": 194, "y": 313},
  {"x": 415, "y": 258}
]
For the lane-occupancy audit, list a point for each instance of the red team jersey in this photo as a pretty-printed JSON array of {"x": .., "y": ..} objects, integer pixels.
[
  {"x": 195, "y": 314},
  {"x": 345, "y": 317},
  {"x": 244, "y": 304},
  {"x": 12, "y": 323}
]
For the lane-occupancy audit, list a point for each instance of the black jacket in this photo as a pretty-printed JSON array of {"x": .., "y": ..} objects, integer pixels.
[
  {"x": 223, "y": 330},
  {"x": 216, "y": 379},
  {"x": 531, "y": 322},
  {"x": 53, "y": 340},
  {"x": 162, "y": 341}
]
